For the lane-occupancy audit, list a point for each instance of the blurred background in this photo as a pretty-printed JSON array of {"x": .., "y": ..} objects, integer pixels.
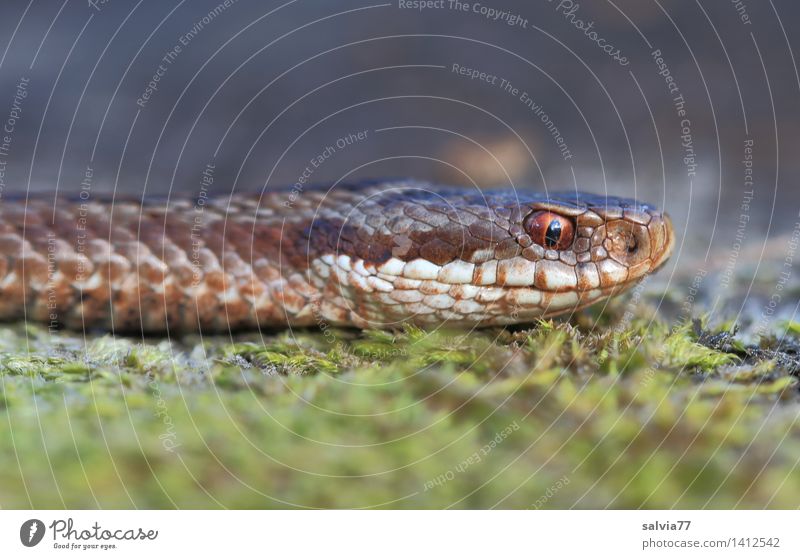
[{"x": 656, "y": 99}]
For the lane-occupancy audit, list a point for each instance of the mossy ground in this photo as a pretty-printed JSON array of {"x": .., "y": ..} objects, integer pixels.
[{"x": 616, "y": 407}]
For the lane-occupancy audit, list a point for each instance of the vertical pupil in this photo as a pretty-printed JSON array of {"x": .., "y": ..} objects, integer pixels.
[{"x": 553, "y": 234}]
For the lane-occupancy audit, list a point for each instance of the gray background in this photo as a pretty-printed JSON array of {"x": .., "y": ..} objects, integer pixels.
[{"x": 266, "y": 86}]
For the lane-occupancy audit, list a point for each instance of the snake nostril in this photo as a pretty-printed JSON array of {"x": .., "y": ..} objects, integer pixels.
[{"x": 627, "y": 243}]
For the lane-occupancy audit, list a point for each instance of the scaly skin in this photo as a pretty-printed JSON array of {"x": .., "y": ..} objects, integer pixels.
[{"x": 370, "y": 255}]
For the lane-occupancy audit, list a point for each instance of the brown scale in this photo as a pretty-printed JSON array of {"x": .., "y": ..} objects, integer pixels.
[{"x": 132, "y": 267}]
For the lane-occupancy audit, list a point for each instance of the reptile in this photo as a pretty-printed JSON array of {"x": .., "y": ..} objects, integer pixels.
[{"x": 368, "y": 255}]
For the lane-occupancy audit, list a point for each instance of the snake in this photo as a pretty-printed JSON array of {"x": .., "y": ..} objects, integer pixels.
[{"x": 371, "y": 254}]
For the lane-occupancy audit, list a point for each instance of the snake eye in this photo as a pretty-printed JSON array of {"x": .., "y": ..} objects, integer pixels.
[{"x": 550, "y": 230}]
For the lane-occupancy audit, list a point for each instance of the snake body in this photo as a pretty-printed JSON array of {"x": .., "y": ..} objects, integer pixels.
[{"x": 366, "y": 255}]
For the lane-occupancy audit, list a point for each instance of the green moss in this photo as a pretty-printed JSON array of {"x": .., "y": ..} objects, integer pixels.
[
  {"x": 601, "y": 407},
  {"x": 682, "y": 350},
  {"x": 283, "y": 358},
  {"x": 791, "y": 327}
]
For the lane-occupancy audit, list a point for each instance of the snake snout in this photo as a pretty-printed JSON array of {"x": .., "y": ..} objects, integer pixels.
[
  {"x": 663, "y": 235},
  {"x": 641, "y": 241}
]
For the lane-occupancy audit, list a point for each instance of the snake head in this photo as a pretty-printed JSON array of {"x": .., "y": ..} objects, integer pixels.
[
  {"x": 575, "y": 249},
  {"x": 430, "y": 255},
  {"x": 604, "y": 241}
]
